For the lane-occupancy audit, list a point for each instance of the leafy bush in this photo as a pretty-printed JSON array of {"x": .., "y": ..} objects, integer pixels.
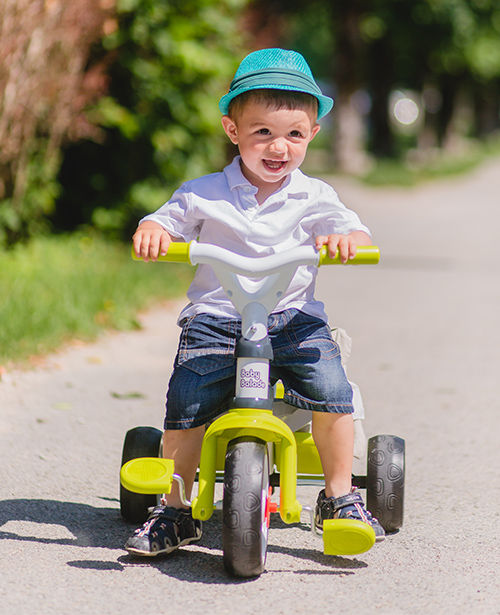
[{"x": 171, "y": 63}]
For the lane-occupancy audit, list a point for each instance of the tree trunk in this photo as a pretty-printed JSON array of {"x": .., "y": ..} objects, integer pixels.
[
  {"x": 381, "y": 83},
  {"x": 349, "y": 128}
]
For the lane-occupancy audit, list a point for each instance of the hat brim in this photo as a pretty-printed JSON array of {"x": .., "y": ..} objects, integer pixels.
[{"x": 325, "y": 103}]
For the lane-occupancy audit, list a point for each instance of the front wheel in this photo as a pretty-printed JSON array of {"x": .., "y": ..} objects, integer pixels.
[
  {"x": 386, "y": 480},
  {"x": 245, "y": 507}
]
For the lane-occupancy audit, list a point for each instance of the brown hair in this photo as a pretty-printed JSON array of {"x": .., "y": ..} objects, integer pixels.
[{"x": 275, "y": 99}]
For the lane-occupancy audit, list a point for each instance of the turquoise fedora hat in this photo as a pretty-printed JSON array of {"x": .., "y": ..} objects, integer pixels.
[{"x": 275, "y": 69}]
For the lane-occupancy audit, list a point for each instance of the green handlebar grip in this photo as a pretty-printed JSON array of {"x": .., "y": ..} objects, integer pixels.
[
  {"x": 365, "y": 255},
  {"x": 178, "y": 252}
]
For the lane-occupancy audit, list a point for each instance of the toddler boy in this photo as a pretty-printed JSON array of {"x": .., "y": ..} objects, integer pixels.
[{"x": 260, "y": 204}]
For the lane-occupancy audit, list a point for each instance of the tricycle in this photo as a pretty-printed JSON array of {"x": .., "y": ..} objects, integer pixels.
[{"x": 261, "y": 443}]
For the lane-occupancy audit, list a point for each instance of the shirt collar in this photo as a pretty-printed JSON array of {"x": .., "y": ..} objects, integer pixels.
[
  {"x": 293, "y": 184},
  {"x": 234, "y": 175}
]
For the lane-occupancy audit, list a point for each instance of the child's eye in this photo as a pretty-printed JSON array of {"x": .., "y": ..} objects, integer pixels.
[
  {"x": 263, "y": 131},
  {"x": 296, "y": 133}
]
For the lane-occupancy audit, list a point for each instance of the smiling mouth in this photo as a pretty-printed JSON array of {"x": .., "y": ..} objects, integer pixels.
[{"x": 275, "y": 165}]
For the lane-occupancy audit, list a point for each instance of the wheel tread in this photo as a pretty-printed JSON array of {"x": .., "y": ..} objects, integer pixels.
[
  {"x": 246, "y": 477},
  {"x": 386, "y": 479}
]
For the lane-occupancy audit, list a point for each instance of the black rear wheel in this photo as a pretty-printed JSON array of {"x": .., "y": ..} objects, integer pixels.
[
  {"x": 139, "y": 442},
  {"x": 245, "y": 518},
  {"x": 385, "y": 480}
]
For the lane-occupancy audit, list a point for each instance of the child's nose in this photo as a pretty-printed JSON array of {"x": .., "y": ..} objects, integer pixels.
[{"x": 278, "y": 146}]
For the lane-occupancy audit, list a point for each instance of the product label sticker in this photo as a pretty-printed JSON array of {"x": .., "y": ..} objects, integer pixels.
[{"x": 252, "y": 378}]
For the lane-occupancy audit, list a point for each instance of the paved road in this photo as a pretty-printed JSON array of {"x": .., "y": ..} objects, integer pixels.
[{"x": 426, "y": 354}]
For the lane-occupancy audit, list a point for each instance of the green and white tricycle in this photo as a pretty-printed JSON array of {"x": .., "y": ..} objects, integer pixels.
[{"x": 261, "y": 443}]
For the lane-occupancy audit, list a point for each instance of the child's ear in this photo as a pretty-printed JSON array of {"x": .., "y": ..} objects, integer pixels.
[
  {"x": 230, "y": 128},
  {"x": 314, "y": 131}
]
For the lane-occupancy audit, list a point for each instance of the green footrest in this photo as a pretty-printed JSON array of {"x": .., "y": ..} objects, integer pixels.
[
  {"x": 347, "y": 537},
  {"x": 148, "y": 475}
]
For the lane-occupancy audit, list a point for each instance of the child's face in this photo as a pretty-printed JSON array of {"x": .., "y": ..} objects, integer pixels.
[{"x": 272, "y": 142}]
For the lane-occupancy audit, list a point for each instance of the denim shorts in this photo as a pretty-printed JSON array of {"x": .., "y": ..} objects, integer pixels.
[{"x": 306, "y": 360}]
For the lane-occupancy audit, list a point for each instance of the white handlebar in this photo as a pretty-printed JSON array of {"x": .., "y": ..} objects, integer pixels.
[{"x": 206, "y": 254}]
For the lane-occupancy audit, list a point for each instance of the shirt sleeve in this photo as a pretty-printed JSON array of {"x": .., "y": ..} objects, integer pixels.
[
  {"x": 176, "y": 216},
  {"x": 331, "y": 216}
]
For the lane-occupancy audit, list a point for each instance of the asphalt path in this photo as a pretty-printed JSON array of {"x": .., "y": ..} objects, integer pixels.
[{"x": 426, "y": 351}]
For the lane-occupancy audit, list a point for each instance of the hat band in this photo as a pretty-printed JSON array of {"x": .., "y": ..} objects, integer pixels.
[{"x": 276, "y": 76}]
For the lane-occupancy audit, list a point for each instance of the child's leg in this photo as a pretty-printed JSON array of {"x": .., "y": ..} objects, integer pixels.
[
  {"x": 334, "y": 438},
  {"x": 201, "y": 387},
  {"x": 170, "y": 525},
  {"x": 184, "y": 447},
  {"x": 314, "y": 379},
  {"x": 309, "y": 363},
  {"x": 333, "y": 435}
]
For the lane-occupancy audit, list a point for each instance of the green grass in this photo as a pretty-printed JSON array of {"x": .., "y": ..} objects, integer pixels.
[{"x": 58, "y": 288}]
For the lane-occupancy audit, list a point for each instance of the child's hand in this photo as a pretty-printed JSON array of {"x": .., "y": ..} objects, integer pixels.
[
  {"x": 345, "y": 244},
  {"x": 150, "y": 240}
]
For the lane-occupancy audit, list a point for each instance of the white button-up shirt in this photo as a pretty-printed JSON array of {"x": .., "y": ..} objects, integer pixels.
[{"x": 222, "y": 209}]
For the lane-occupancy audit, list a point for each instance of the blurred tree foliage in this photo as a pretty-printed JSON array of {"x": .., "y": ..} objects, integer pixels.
[
  {"x": 171, "y": 61},
  {"x": 107, "y": 105},
  {"x": 446, "y": 51}
]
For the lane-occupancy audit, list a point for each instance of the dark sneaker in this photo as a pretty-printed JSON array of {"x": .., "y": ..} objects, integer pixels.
[
  {"x": 350, "y": 506},
  {"x": 165, "y": 530}
]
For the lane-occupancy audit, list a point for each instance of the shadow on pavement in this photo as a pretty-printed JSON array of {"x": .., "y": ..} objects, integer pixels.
[
  {"x": 89, "y": 525},
  {"x": 96, "y": 527}
]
